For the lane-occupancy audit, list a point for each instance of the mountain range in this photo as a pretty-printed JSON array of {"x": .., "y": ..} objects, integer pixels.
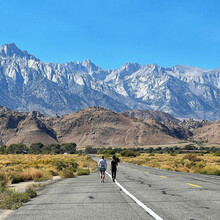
[
  {"x": 99, "y": 127},
  {"x": 92, "y": 126},
  {"x": 27, "y": 83}
]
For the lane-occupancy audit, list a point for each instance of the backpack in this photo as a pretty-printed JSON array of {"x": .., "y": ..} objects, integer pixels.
[{"x": 117, "y": 159}]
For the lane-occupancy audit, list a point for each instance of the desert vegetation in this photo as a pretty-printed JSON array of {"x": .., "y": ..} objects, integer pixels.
[
  {"x": 18, "y": 168},
  {"x": 208, "y": 163},
  {"x": 174, "y": 150},
  {"x": 190, "y": 158},
  {"x": 39, "y": 148}
]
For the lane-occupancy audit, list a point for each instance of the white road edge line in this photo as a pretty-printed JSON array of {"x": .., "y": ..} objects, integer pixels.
[{"x": 141, "y": 204}]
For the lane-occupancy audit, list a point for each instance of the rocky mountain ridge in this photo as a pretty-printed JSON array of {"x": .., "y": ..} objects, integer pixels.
[
  {"x": 93, "y": 126},
  {"x": 27, "y": 84}
]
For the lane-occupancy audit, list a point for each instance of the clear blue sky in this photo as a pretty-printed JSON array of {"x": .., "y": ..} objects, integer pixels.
[{"x": 113, "y": 32}]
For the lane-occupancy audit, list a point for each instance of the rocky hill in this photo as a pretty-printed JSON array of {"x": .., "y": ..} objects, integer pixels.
[
  {"x": 151, "y": 115},
  {"x": 211, "y": 133},
  {"x": 27, "y": 83},
  {"x": 92, "y": 126},
  {"x": 182, "y": 129}
]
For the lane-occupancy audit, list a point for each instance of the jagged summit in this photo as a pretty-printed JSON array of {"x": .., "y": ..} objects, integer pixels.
[
  {"x": 27, "y": 84},
  {"x": 11, "y": 50}
]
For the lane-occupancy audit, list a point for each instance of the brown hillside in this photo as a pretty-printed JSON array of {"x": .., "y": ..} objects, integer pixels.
[
  {"x": 151, "y": 115},
  {"x": 92, "y": 126},
  {"x": 211, "y": 133},
  {"x": 101, "y": 127}
]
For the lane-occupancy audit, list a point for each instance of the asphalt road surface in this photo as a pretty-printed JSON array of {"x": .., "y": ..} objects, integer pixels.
[{"x": 168, "y": 195}]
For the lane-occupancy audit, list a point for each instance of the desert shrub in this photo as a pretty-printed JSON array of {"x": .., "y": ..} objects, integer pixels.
[
  {"x": 128, "y": 153},
  {"x": 190, "y": 164},
  {"x": 15, "y": 178},
  {"x": 208, "y": 170},
  {"x": 177, "y": 163},
  {"x": 30, "y": 175},
  {"x": 151, "y": 154},
  {"x": 4, "y": 179},
  {"x": 62, "y": 165},
  {"x": 81, "y": 172},
  {"x": 46, "y": 176},
  {"x": 68, "y": 172},
  {"x": 53, "y": 171},
  {"x": 189, "y": 147},
  {"x": 107, "y": 152},
  {"x": 192, "y": 157},
  {"x": 9, "y": 199},
  {"x": 155, "y": 164},
  {"x": 90, "y": 150},
  {"x": 173, "y": 154},
  {"x": 217, "y": 153},
  {"x": 31, "y": 192}
]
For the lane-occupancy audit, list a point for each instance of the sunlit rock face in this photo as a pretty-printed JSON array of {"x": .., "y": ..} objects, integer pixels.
[{"x": 26, "y": 83}]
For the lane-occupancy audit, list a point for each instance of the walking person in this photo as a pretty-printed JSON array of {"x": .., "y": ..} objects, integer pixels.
[
  {"x": 102, "y": 168},
  {"x": 114, "y": 164}
]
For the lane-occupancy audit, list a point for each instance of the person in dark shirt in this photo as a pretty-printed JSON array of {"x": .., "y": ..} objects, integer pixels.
[{"x": 114, "y": 164}]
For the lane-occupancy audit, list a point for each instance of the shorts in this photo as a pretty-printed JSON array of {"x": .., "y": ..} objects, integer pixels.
[{"x": 102, "y": 169}]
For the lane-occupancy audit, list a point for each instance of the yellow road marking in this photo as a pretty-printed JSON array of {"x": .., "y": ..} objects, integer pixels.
[
  {"x": 193, "y": 185},
  {"x": 147, "y": 172},
  {"x": 163, "y": 176}
]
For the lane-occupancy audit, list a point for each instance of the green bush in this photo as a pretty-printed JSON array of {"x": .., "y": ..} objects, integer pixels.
[
  {"x": 15, "y": 178},
  {"x": 173, "y": 154},
  {"x": 128, "y": 153},
  {"x": 31, "y": 192},
  {"x": 4, "y": 179},
  {"x": 81, "y": 172},
  {"x": 46, "y": 176},
  {"x": 217, "y": 153},
  {"x": 68, "y": 172},
  {"x": 9, "y": 199}
]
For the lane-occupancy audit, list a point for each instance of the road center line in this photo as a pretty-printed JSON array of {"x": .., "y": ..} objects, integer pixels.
[
  {"x": 163, "y": 176},
  {"x": 193, "y": 185},
  {"x": 142, "y": 205}
]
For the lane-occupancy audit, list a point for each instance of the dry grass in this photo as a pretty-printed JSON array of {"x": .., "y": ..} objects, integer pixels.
[
  {"x": 18, "y": 168},
  {"x": 206, "y": 164}
]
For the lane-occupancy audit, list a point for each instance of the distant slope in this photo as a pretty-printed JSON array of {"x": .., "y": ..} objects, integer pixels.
[
  {"x": 211, "y": 133},
  {"x": 97, "y": 127},
  {"x": 151, "y": 115},
  {"x": 167, "y": 123},
  {"x": 22, "y": 127}
]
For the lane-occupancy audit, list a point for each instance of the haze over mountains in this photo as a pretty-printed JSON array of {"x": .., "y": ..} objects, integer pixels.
[{"x": 27, "y": 84}]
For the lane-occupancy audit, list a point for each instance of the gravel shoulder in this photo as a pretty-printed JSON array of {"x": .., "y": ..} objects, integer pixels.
[{"x": 21, "y": 187}]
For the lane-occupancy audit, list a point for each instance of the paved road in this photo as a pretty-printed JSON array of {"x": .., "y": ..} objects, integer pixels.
[{"x": 170, "y": 195}]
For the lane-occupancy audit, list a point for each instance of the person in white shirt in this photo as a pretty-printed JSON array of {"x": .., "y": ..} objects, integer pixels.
[{"x": 102, "y": 168}]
